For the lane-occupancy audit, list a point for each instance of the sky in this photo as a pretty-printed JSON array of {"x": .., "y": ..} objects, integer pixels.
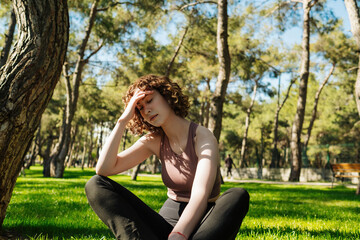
[{"x": 293, "y": 35}]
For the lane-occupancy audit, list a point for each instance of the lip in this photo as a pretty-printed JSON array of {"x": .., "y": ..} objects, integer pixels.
[{"x": 153, "y": 117}]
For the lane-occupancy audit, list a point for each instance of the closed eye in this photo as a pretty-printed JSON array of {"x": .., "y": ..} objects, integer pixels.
[{"x": 149, "y": 101}]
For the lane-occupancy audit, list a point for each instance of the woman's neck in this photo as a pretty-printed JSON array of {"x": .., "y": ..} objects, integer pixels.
[{"x": 176, "y": 128}]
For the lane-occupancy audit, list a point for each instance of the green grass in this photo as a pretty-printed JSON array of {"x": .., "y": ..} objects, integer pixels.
[{"x": 47, "y": 208}]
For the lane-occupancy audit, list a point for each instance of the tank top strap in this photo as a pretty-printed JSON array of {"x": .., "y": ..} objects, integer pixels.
[
  {"x": 190, "y": 142},
  {"x": 192, "y": 132}
]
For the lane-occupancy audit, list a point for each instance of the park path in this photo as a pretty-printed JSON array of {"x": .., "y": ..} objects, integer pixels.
[
  {"x": 288, "y": 183},
  {"x": 226, "y": 179}
]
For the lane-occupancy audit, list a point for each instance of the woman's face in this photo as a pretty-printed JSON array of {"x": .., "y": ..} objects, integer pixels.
[{"x": 154, "y": 108}]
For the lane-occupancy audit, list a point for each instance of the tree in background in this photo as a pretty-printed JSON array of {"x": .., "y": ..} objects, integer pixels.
[
  {"x": 300, "y": 111},
  {"x": 354, "y": 17},
  {"x": 27, "y": 82},
  {"x": 9, "y": 36},
  {"x": 61, "y": 149},
  {"x": 218, "y": 98}
]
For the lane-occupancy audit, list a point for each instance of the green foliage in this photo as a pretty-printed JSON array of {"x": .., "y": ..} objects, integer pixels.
[
  {"x": 46, "y": 208},
  {"x": 140, "y": 37}
]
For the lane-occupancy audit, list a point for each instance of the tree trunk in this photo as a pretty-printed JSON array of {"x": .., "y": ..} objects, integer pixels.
[
  {"x": 34, "y": 151},
  {"x": 72, "y": 147},
  {"x": 155, "y": 164},
  {"x": 46, "y": 155},
  {"x": 314, "y": 111},
  {"x": 206, "y": 114},
  {"x": 205, "y": 106},
  {"x": 261, "y": 157},
  {"x": 100, "y": 141},
  {"x": 8, "y": 39},
  {"x": 247, "y": 125},
  {"x": 27, "y": 82},
  {"x": 354, "y": 17},
  {"x": 60, "y": 153},
  {"x": 91, "y": 146},
  {"x": 217, "y": 101},
  {"x": 84, "y": 151},
  {"x": 301, "y": 104},
  {"x": 135, "y": 172},
  {"x": 58, "y": 145},
  {"x": 275, "y": 152}
]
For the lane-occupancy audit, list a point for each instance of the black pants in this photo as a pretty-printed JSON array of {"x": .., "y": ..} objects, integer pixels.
[{"x": 130, "y": 218}]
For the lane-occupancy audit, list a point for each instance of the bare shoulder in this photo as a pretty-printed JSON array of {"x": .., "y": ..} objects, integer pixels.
[
  {"x": 152, "y": 142},
  {"x": 206, "y": 145},
  {"x": 203, "y": 134}
]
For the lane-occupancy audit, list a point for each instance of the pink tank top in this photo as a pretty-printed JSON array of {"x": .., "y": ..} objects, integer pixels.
[{"x": 178, "y": 170}]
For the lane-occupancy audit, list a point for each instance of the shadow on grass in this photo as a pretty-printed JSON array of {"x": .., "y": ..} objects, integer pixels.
[
  {"x": 60, "y": 232},
  {"x": 74, "y": 173},
  {"x": 293, "y": 233}
]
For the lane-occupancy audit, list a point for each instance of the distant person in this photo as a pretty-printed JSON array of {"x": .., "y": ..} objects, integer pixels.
[
  {"x": 229, "y": 163},
  {"x": 190, "y": 169}
]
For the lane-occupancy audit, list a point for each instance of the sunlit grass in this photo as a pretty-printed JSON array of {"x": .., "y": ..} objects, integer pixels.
[{"x": 47, "y": 208}]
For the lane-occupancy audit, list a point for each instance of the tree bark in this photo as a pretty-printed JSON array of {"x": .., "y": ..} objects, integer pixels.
[
  {"x": 354, "y": 17},
  {"x": 8, "y": 39},
  {"x": 62, "y": 149},
  {"x": 217, "y": 101},
  {"x": 301, "y": 104},
  {"x": 275, "y": 153},
  {"x": 247, "y": 125},
  {"x": 27, "y": 82},
  {"x": 314, "y": 111}
]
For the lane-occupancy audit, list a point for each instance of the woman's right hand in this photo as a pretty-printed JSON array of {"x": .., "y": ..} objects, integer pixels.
[{"x": 129, "y": 112}]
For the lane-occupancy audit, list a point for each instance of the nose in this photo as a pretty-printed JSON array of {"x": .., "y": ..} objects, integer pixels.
[{"x": 147, "y": 109}]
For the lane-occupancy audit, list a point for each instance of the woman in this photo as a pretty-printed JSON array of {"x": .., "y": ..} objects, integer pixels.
[{"x": 190, "y": 169}]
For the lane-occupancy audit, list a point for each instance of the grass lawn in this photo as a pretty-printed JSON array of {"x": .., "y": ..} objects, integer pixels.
[{"x": 47, "y": 208}]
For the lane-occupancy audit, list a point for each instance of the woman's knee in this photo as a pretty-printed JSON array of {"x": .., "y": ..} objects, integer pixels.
[
  {"x": 92, "y": 185},
  {"x": 93, "y": 181},
  {"x": 239, "y": 192},
  {"x": 239, "y": 197}
]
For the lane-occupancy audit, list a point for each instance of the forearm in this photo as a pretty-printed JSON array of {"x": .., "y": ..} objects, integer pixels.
[
  {"x": 190, "y": 218},
  {"x": 108, "y": 156}
]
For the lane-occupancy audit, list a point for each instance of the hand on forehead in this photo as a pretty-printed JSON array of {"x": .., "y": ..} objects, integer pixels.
[{"x": 141, "y": 95}]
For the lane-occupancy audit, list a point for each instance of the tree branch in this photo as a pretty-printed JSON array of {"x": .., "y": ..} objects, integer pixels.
[
  {"x": 287, "y": 93},
  {"x": 196, "y": 3},
  {"x": 94, "y": 52},
  {"x": 352, "y": 68},
  {"x": 176, "y": 51},
  {"x": 277, "y": 7},
  {"x": 297, "y": 1},
  {"x": 313, "y": 3}
]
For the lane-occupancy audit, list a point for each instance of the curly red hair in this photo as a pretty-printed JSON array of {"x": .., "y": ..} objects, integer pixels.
[{"x": 169, "y": 90}]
